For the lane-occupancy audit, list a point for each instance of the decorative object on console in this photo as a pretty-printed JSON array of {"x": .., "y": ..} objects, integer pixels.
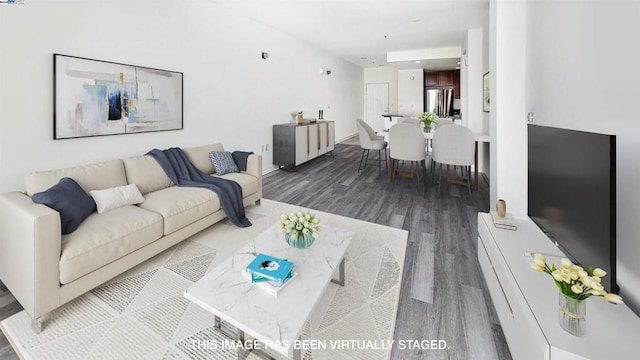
[
  {"x": 223, "y": 162},
  {"x": 501, "y": 208},
  {"x": 300, "y": 229},
  {"x": 70, "y": 200},
  {"x": 300, "y": 117},
  {"x": 427, "y": 119},
  {"x": 93, "y": 97},
  {"x": 576, "y": 285},
  {"x": 504, "y": 222}
]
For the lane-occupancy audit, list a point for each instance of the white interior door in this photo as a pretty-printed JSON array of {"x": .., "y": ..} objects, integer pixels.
[{"x": 377, "y": 104}]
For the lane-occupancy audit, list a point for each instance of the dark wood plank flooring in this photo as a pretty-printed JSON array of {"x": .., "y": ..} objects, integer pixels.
[
  {"x": 443, "y": 295},
  {"x": 8, "y": 307}
]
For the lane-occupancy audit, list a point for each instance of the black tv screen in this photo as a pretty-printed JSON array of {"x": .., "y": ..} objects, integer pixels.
[{"x": 572, "y": 194}]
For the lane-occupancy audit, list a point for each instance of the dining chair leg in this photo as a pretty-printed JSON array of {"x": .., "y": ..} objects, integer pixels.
[
  {"x": 439, "y": 177},
  {"x": 386, "y": 158},
  {"x": 434, "y": 170},
  {"x": 469, "y": 179},
  {"x": 393, "y": 170},
  {"x": 361, "y": 158},
  {"x": 379, "y": 163},
  {"x": 366, "y": 159}
]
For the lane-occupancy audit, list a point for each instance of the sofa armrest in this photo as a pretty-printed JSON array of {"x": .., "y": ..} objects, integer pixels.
[
  {"x": 254, "y": 167},
  {"x": 30, "y": 245}
]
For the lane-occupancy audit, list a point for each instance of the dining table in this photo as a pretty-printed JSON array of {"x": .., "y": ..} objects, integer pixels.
[{"x": 478, "y": 137}]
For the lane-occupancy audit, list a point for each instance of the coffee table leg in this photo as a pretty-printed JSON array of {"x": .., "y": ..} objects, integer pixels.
[{"x": 340, "y": 280}]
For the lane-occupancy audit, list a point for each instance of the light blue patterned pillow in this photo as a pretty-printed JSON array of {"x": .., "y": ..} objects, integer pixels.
[{"x": 222, "y": 162}]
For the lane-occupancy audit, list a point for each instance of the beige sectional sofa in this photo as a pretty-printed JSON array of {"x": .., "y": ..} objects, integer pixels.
[{"x": 44, "y": 269}]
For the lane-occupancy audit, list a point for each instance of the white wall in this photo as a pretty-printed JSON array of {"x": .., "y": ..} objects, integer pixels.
[
  {"x": 583, "y": 74},
  {"x": 410, "y": 92},
  {"x": 508, "y": 127},
  {"x": 384, "y": 74},
  {"x": 486, "y": 58},
  {"x": 231, "y": 95},
  {"x": 472, "y": 69}
]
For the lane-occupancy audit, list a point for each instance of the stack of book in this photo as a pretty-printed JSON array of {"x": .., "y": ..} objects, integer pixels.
[
  {"x": 506, "y": 222},
  {"x": 270, "y": 273}
]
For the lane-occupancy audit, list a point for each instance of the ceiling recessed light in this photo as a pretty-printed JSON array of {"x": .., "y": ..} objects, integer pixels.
[
  {"x": 417, "y": 61},
  {"x": 365, "y": 58},
  {"x": 415, "y": 20}
]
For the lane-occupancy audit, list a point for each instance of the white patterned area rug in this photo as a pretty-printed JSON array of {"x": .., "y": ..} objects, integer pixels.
[{"x": 142, "y": 313}]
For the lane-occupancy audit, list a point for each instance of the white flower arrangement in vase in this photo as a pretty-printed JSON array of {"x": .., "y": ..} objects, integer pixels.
[
  {"x": 300, "y": 229},
  {"x": 576, "y": 285},
  {"x": 427, "y": 119}
]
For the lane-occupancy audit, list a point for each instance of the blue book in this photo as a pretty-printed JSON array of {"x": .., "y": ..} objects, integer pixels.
[{"x": 271, "y": 268}]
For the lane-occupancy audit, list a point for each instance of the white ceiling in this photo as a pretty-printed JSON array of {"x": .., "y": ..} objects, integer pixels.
[{"x": 356, "y": 29}]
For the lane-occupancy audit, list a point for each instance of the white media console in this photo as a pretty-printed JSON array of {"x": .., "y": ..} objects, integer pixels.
[{"x": 527, "y": 301}]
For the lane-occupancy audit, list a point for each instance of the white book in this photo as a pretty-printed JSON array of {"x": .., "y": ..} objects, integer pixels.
[
  {"x": 506, "y": 222},
  {"x": 270, "y": 287}
]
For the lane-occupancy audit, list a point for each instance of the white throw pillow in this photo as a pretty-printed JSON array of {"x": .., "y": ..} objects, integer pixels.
[{"x": 116, "y": 197}]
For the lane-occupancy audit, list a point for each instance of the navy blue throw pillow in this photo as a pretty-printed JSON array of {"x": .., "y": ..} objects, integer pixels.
[
  {"x": 222, "y": 162},
  {"x": 70, "y": 200}
]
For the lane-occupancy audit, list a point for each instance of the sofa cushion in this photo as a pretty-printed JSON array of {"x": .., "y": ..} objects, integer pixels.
[
  {"x": 98, "y": 176},
  {"x": 223, "y": 162},
  {"x": 199, "y": 156},
  {"x": 104, "y": 238},
  {"x": 70, "y": 200},
  {"x": 116, "y": 197},
  {"x": 249, "y": 183},
  {"x": 146, "y": 173},
  {"x": 181, "y": 206}
]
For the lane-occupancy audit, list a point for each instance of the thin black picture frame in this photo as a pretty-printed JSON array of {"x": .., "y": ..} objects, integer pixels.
[
  {"x": 102, "y": 98},
  {"x": 486, "y": 92}
]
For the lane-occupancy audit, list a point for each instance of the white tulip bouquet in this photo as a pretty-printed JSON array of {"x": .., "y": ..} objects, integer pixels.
[
  {"x": 574, "y": 281},
  {"x": 300, "y": 225},
  {"x": 427, "y": 119}
]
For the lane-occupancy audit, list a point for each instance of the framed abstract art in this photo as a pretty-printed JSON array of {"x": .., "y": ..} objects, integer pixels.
[{"x": 95, "y": 98}]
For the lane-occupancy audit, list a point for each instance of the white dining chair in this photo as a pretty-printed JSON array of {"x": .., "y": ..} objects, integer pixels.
[
  {"x": 370, "y": 141},
  {"x": 453, "y": 145},
  {"x": 443, "y": 121},
  {"x": 407, "y": 143},
  {"x": 412, "y": 121}
]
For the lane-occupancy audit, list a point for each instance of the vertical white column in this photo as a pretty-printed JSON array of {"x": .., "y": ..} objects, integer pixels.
[{"x": 508, "y": 125}]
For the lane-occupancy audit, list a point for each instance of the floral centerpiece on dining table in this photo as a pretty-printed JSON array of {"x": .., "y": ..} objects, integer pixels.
[
  {"x": 300, "y": 228},
  {"x": 576, "y": 285},
  {"x": 427, "y": 119}
]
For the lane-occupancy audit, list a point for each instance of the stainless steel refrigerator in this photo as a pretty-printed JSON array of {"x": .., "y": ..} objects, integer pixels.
[{"x": 439, "y": 101}]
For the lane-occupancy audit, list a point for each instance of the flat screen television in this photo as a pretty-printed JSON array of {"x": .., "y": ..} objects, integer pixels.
[{"x": 572, "y": 194}]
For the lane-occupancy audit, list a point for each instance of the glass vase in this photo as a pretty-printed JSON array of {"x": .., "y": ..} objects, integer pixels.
[
  {"x": 572, "y": 315},
  {"x": 301, "y": 242}
]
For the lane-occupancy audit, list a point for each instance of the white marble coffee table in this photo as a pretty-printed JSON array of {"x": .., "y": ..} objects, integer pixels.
[{"x": 277, "y": 322}]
